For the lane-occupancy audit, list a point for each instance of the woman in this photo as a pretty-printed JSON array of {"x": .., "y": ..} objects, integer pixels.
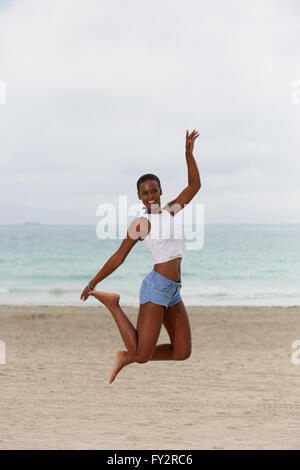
[{"x": 160, "y": 300}]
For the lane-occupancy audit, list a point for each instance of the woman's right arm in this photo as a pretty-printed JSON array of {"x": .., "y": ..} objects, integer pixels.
[{"x": 132, "y": 237}]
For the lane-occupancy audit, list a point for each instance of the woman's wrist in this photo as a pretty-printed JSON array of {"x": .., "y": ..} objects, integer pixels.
[{"x": 92, "y": 285}]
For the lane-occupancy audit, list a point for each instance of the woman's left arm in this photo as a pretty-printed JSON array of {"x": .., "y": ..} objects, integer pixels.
[
  {"x": 194, "y": 183},
  {"x": 193, "y": 172}
]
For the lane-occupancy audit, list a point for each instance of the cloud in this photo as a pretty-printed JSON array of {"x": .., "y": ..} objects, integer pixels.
[{"x": 99, "y": 93}]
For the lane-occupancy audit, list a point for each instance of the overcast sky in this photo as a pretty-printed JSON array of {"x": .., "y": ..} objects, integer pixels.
[{"x": 100, "y": 92}]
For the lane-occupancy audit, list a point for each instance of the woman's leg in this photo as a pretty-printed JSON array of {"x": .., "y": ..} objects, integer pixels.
[
  {"x": 177, "y": 325},
  {"x": 139, "y": 342}
]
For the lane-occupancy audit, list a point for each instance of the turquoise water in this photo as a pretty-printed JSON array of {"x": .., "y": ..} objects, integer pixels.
[{"x": 238, "y": 265}]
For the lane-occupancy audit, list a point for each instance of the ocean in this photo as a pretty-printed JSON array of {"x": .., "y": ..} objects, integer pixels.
[{"x": 237, "y": 265}]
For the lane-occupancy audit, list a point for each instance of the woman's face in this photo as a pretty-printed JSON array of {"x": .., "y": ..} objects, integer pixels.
[{"x": 149, "y": 193}]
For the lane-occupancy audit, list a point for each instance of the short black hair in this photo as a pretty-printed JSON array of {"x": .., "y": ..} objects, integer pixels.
[{"x": 147, "y": 176}]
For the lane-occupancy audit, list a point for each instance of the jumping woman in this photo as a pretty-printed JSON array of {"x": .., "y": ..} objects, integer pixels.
[{"x": 160, "y": 299}]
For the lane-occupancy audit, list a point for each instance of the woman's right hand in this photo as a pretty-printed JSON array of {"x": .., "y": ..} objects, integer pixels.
[{"x": 85, "y": 293}]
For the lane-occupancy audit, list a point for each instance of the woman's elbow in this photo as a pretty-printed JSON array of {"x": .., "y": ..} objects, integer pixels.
[{"x": 197, "y": 187}]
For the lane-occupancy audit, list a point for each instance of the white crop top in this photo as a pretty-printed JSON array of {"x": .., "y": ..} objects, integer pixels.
[{"x": 164, "y": 238}]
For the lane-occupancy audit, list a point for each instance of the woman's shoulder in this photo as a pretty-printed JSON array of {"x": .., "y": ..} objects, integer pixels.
[{"x": 142, "y": 225}]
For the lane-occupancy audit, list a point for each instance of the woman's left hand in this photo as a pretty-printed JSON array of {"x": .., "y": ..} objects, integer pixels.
[{"x": 190, "y": 139}]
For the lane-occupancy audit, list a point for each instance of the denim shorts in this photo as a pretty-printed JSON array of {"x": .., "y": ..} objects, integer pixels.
[{"x": 160, "y": 290}]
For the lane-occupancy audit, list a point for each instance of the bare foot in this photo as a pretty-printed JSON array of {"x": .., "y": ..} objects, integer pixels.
[
  {"x": 120, "y": 362},
  {"x": 108, "y": 299}
]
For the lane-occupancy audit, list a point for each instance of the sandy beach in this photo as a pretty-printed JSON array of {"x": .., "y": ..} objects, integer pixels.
[{"x": 238, "y": 390}]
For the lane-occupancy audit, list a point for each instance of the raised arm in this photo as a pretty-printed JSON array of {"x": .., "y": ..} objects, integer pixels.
[
  {"x": 132, "y": 237},
  {"x": 194, "y": 183}
]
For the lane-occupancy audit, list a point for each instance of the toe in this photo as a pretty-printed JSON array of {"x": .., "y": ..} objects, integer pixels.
[{"x": 112, "y": 378}]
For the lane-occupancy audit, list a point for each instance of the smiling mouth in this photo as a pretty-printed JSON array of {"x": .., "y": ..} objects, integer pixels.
[{"x": 151, "y": 202}]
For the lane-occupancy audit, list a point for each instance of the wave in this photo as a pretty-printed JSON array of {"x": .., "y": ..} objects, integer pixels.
[{"x": 208, "y": 296}]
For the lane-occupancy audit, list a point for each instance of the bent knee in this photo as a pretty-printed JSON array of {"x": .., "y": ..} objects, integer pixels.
[
  {"x": 141, "y": 359},
  {"x": 182, "y": 356}
]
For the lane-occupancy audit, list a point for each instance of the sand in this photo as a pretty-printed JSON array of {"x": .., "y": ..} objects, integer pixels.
[{"x": 238, "y": 390}]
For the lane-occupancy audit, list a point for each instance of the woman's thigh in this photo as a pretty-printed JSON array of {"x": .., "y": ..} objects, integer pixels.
[
  {"x": 178, "y": 327},
  {"x": 149, "y": 323}
]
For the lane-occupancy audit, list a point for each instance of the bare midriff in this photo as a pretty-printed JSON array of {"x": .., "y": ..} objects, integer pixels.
[{"x": 170, "y": 269}]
